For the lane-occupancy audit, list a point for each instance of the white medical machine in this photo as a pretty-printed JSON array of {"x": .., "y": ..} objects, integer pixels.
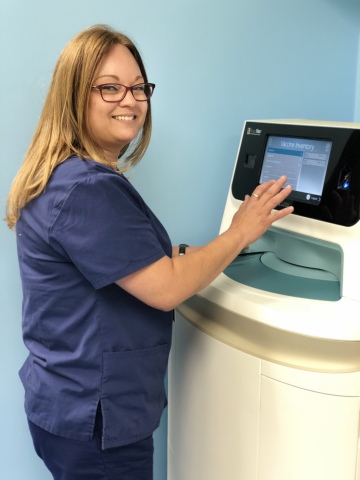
[{"x": 264, "y": 375}]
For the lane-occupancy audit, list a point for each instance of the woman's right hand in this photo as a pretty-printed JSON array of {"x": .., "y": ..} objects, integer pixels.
[
  {"x": 169, "y": 281},
  {"x": 256, "y": 214}
]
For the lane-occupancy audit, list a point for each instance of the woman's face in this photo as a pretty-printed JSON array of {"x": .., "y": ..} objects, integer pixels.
[{"x": 114, "y": 125}]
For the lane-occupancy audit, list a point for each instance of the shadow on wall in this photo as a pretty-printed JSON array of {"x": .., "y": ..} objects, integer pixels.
[{"x": 349, "y": 7}]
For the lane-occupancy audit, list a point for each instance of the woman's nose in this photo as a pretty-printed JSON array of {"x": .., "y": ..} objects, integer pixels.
[{"x": 128, "y": 99}]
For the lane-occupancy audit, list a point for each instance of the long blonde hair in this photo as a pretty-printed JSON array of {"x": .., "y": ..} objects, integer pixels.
[{"x": 62, "y": 128}]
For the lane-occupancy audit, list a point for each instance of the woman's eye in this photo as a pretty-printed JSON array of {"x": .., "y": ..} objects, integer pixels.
[
  {"x": 139, "y": 88},
  {"x": 110, "y": 88}
]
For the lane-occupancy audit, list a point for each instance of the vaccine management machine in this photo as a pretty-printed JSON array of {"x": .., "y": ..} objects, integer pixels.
[{"x": 264, "y": 375}]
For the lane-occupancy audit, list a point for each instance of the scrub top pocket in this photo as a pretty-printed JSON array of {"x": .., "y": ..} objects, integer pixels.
[{"x": 133, "y": 393}]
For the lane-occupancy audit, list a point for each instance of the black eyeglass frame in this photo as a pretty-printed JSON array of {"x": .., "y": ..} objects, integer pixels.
[{"x": 100, "y": 88}]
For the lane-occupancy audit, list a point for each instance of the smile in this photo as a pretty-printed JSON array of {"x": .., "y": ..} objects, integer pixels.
[{"x": 125, "y": 118}]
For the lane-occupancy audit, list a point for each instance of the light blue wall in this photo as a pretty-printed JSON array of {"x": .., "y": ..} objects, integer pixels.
[
  {"x": 215, "y": 64},
  {"x": 357, "y": 94}
]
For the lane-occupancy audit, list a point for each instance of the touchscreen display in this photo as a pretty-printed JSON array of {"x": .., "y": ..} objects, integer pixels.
[{"x": 304, "y": 161}]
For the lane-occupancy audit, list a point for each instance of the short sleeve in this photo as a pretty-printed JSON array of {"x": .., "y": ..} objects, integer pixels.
[{"x": 105, "y": 229}]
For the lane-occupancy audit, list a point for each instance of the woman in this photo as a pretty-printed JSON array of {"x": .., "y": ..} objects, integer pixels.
[{"x": 100, "y": 277}]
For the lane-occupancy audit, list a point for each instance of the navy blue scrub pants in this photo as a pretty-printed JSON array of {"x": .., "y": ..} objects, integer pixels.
[{"x": 76, "y": 460}]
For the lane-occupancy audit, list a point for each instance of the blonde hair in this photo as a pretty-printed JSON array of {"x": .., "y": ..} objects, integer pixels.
[{"x": 62, "y": 128}]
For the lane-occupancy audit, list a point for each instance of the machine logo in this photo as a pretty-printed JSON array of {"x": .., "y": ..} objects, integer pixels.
[{"x": 253, "y": 131}]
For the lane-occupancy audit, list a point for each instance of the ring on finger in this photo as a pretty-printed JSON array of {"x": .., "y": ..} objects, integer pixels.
[{"x": 255, "y": 195}]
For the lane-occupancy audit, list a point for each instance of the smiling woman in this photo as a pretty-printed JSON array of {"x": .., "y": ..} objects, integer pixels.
[
  {"x": 63, "y": 128},
  {"x": 116, "y": 115},
  {"x": 100, "y": 277}
]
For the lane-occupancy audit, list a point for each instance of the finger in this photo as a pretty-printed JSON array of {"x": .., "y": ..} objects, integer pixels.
[
  {"x": 261, "y": 189},
  {"x": 246, "y": 200},
  {"x": 270, "y": 188},
  {"x": 273, "y": 195},
  {"x": 281, "y": 214},
  {"x": 280, "y": 196},
  {"x": 276, "y": 187}
]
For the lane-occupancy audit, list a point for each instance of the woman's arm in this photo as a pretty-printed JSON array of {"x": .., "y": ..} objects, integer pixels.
[
  {"x": 169, "y": 281},
  {"x": 175, "y": 250}
]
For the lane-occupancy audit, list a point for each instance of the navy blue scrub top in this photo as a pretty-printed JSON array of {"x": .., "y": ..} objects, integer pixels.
[{"x": 90, "y": 341}]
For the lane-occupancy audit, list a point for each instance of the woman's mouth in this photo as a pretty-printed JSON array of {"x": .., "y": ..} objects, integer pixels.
[{"x": 125, "y": 118}]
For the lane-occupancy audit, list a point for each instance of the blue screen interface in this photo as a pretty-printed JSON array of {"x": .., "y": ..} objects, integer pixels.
[{"x": 303, "y": 161}]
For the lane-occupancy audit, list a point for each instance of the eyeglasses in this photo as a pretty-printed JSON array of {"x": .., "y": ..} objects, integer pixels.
[{"x": 115, "y": 92}]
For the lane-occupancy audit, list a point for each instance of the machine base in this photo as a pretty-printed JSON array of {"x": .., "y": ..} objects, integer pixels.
[{"x": 235, "y": 416}]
